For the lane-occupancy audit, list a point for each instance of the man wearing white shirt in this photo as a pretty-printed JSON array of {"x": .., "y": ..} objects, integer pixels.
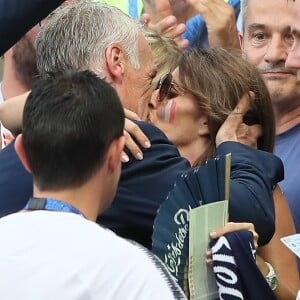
[{"x": 72, "y": 142}]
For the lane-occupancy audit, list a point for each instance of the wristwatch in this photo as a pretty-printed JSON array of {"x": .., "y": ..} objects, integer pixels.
[{"x": 271, "y": 277}]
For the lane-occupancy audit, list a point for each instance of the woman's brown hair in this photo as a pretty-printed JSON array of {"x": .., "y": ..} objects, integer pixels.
[{"x": 218, "y": 78}]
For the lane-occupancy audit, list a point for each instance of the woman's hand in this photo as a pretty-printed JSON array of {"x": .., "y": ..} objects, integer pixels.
[
  {"x": 169, "y": 27},
  {"x": 134, "y": 137},
  {"x": 234, "y": 129},
  {"x": 231, "y": 227},
  {"x": 159, "y": 16}
]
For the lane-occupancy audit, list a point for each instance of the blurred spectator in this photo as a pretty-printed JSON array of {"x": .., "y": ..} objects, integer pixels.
[
  {"x": 266, "y": 42},
  {"x": 293, "y": 59},
  {"x": 210, "y": 23},
  {"x": 196, "y": 29}
]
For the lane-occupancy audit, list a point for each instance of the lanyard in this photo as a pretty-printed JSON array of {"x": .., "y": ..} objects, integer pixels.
[{"x": 51, "y": 204}]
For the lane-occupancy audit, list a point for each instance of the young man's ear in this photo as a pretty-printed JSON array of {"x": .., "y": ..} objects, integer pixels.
[
  {"x": 115, "y": 62},
  {"x": 21, "y": 152},
  {"x": 114, "y": 154}
]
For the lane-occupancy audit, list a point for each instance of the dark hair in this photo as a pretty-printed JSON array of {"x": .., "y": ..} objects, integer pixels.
[
  {"x": 218, "y": 78},
  {"x": 69, "y": 121}
]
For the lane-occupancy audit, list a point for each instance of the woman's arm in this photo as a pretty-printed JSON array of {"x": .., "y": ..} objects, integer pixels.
[
  {"x": 278, "y": 255},
  {"x": 11, "y": 112}
]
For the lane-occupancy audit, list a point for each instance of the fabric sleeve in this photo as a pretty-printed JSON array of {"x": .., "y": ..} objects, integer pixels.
[
  {"x": 254, "y": 174},
  {"x": 18, "y": 16},
  {"x": 143, "y": 186}
]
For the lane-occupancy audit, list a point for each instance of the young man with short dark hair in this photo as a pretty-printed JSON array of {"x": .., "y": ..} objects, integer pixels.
[{"x": 72, "y": 142}]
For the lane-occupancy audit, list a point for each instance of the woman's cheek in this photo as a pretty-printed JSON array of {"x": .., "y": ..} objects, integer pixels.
[{"x": 167, "y": 112}]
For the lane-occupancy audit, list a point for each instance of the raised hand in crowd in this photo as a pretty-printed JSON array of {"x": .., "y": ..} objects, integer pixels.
[
  {"x": 220, "y": 22},
  {"x": 159, "y": 16},
  {"x": 218, "y": 15},
  {"x": 163, "y": 8}
]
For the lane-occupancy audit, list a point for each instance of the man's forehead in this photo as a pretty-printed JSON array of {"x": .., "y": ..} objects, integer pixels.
[
  {"x": 144, "y": 46},
  {"x": 295, "y": 9},
  {"x": 265, "y": 9},
  {"x": 268, "y": 14},
  {"x": 145, "y": 54}
]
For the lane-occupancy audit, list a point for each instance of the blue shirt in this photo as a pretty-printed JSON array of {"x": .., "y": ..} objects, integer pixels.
[
  {"x": 196, "y": 31},
  {"x": 288, "y": 149}
]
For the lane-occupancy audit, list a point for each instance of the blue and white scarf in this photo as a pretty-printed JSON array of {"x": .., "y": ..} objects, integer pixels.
[{"x": 237, "y": 275}]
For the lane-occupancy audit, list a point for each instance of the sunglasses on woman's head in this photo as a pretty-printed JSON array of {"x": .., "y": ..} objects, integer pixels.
[{"x": 164, "y": 87}]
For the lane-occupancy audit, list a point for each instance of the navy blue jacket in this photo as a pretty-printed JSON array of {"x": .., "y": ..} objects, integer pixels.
[
  {"x": 19, "y": 16},
  {"x": 145, "y": 184},
  {"x": 15, "y": 182}
]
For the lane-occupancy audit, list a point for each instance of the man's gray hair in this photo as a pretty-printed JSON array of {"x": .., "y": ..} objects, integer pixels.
[
  {"x": 77, "y": 36},
  {"x": 244, "y": 9}
]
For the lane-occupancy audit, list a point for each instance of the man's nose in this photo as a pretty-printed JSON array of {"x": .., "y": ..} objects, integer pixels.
[{"x": 277, "y": 51}]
